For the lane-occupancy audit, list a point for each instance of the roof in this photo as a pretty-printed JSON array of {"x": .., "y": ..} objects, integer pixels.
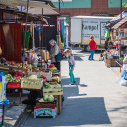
[
  {"x": 32, "y": 3},
  {"x": 38, "y": 11},
  {"x": 124, "y": 14},
  {"x": 97, "y": 17},
  {"x": 22, "y": 14},
  {"x": 119, "y": 24},
  {"x": 111, "y": 24},
  {"x": 44, "y": 25}
]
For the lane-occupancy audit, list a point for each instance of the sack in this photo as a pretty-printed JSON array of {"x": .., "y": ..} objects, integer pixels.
[
  {"x": 59, "y": 57},
  {"x": 123, "y": 77}
]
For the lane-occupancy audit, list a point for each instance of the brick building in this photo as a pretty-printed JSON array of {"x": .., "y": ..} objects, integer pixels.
[{"x": 89, "y": 8}]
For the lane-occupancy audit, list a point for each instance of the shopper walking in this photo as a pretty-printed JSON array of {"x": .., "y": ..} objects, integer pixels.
[
  {"x": 71, "y": 61},
  {"x": 92, "y": 47},
  {"x": 53, "y": 52}
]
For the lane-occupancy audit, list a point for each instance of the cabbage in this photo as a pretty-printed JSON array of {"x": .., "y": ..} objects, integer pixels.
[
  {"x": 41, "y": 100},
  {"x": 50, "y": 87},
  {"x": 50, "y": 98},
  {"x": 45, "y": 98},
  {"x": 58, "y": 86},
  {"x": 33, "y": 77}
]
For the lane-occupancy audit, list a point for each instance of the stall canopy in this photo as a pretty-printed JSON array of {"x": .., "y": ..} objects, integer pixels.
[
  {"x": 32, "y": 3},
  {"x": 22, "y": 14},
  {"x": 115, "y": 20},
  {"x": 38, "y": 11},
  {"x": 119, "y": 24}
]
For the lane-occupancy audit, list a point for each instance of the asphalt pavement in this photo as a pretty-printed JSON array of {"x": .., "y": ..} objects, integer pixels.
[{"x": 94, "y": 101}]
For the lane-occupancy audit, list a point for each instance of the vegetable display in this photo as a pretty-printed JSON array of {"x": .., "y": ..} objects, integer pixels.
[
  {"x": 26, "y": 66},
  {"x": 47, "y": 98},
  {"x": 15, "y": 76},
  {"x": 48, "y": 86}
]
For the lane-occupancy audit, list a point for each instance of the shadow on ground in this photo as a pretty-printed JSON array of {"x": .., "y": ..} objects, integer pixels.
[{"x": 77, "y": 109}]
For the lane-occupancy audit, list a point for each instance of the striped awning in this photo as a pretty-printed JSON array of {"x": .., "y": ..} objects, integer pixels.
[{"x": 120, "y": 23}]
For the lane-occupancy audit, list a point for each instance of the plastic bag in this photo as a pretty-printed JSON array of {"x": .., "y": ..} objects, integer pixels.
[
  {"x": 123, "y": 77},
  {"x": 125, "y": 60},
  {"x": 35, "y": 58}
]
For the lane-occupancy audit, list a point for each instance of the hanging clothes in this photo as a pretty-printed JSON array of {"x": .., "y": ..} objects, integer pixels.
[
  {"x": 30, "y": 44},
  {"x": 107, "y": 33},
  {"x": 26, "y": 40}
]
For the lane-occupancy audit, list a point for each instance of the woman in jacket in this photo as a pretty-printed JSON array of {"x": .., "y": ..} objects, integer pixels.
[
  {"x": 53, "y": 52},
  {"x": 92, "y": 47}
]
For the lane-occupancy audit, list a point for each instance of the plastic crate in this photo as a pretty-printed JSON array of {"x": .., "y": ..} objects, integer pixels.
[{"x": 13, "y": 84}]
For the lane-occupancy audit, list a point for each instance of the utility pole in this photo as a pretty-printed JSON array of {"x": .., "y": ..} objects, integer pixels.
[{"x": 59, "y": 6}]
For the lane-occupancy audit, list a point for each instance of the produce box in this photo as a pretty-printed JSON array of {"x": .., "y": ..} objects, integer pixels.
[
  {"x": 4, "y": 68},
  {"x": 45, "y": 112},
  {"x": 31, "y": 83},
  {"x": 47, "y": 104},
  {"x": 33, "y": 73},
  {"x": 21, "y": 69},
  {"x": 47, "y": 75},
  {"x": 56, "y": 78},
  {"x": 52, "y": 90},
  {"x": 111, "y": 63},
  {"x": 13, "y": 84},
  {"x": 53, "y": 82}
]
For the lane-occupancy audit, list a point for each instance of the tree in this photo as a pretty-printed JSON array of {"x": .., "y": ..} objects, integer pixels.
[{"x": 125, "y": 5}]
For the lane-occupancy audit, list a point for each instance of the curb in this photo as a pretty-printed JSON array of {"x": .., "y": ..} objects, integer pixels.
[{"x": 23, "y": 116}]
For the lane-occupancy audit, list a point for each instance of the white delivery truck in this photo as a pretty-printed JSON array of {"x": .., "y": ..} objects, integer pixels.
[{"x": 82, "y": 27}]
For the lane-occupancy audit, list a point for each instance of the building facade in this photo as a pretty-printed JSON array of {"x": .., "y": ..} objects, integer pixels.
[
  {"x": 91, "y": 7},
  {"x": 70, "y": 8}
]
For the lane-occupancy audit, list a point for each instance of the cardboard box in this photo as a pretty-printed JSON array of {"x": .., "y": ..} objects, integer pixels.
[
  {"x": 45, "y": 112},
  {"x": 47, "y": 75}
]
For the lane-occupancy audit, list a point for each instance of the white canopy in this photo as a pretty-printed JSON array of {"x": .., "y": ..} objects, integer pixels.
[{"x": 124, "y": 14}]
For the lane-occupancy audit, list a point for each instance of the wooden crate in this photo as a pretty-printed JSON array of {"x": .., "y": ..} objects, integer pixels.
[
  {"x": 59, "y": 104},
  {"x": 33, "y": 73},
  {"x": 57, "y": 95},
  {"x": 31, "y": 86},
  {"x": 21, "y": 69},
  {"x": 111, "y": 63},
  {"x": 4, "y": 69},
  {"x": 53, "y": 82},
  {"x": 108, "y": 62},
  {"x": 47, "y": 104},
  {"x": 53, "y": 89}
]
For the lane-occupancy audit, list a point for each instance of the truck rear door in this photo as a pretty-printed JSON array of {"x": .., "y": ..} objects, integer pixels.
[{"x": 76, "y": 30}]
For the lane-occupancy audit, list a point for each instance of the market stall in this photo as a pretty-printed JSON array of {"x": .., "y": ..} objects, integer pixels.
[
  {"x": 36, "y": 74},
  {"x": 116, "y": 39}
]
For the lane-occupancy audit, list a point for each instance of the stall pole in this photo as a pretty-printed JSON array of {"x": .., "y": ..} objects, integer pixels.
[
  {"x": 121, "y": 11},
  {"x": 42, "y": 38},
  {"x": 121, "y": 19},
  {"x": 3, "y": 116},
  {"x": 33, "y": 38},
  {"x": 25, "y": 33},
  {"x": 45, "y": 38}
]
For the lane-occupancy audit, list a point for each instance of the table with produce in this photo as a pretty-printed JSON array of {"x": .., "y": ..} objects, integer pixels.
[{"x": 47, "y": 83}]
